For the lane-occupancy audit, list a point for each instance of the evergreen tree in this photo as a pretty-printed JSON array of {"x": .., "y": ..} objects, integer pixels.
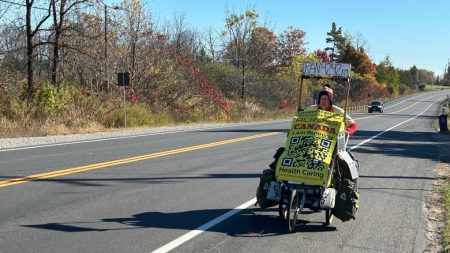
[
  {"x": 337, "y": 41},
  {"x": 388, "y": 75}
]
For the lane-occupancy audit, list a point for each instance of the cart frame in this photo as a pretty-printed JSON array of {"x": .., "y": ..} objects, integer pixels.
[{"x": 296, "y": 196}]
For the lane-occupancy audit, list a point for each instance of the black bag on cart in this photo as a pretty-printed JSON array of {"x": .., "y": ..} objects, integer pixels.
[
  {"x": 347, "y": 201},
  {"x": 265, "y": 181}
]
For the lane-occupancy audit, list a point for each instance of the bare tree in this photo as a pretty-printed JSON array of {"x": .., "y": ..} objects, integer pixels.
[
  {"x": 30, "y": 33},
  {"x": 135, "y": 39},
  {"x": 60, "y": 10},
  {"x": 357, "y": 40},
  {"x": 211, "y": 42},
  {"x": 82, "y": 51},
  {"x": 12, "y": 46},
  {"x": 4, "y": 7},
  {"x": 183, "y": 39}
]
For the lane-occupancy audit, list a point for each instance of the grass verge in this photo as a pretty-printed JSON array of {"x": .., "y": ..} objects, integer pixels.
[{"x": 446, "y": 229}]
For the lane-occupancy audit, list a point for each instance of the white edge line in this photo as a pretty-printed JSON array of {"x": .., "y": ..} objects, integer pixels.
[{"x": 186, "y": 237}]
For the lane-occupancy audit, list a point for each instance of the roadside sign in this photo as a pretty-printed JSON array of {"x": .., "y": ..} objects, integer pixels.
[
  {"x": 123, "y": 79},
  {"x": 326, "y": 69}
]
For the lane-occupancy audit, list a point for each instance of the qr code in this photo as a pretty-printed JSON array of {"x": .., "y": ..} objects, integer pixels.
[{"x": 308, "y": 151}]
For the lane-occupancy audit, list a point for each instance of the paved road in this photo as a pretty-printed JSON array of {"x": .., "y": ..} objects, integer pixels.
[{"x": 180, "y": 191}]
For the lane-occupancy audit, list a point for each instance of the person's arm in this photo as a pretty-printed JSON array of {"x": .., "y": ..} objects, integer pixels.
[
  {"x": 351, "y": 129},
  {"x": 350, "y": 125}
]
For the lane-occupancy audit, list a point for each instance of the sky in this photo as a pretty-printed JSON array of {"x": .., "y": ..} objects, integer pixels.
[{"x": 410, "y": 32}]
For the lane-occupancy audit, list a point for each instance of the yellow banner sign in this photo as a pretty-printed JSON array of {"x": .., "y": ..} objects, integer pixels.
[{"x": 309, "y": 147}]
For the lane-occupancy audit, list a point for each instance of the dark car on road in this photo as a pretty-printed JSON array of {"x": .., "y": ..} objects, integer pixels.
[{"x": 376, "y": 105}]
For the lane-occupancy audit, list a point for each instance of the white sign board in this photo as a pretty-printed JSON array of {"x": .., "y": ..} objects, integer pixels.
[{"x": 326, "y": 69}]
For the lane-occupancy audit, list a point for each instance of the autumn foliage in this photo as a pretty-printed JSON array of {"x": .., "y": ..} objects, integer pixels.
[
  {"x": 243, "y": 72},
  {"x": 203, "y": 86}
]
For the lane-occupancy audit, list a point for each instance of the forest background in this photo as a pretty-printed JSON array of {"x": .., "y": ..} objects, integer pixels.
[{"x": 59, "y": 62}]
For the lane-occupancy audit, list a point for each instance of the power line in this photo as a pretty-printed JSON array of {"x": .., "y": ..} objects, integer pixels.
[{"x": 23, "y": 5}]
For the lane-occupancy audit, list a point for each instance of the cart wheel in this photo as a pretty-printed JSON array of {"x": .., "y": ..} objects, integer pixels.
[
  {"x": 292, "y": 212},
  {"x": 328, "y": 217}
]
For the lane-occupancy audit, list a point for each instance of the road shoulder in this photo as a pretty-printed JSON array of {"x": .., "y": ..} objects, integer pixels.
[{"x": 435, "y": 204}]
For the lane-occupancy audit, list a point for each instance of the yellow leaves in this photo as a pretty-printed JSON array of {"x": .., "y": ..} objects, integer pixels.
[
  {"x": 251, "y": 14},
  {"x": 297, "y": 62},
  {"x": 132, "y": 5},
  {"x": 153, "y": 69},
  {"x": 234, "y": 19}
]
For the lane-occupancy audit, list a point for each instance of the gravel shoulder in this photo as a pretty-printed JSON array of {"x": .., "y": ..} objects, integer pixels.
[{"x": 7, "y": 143}]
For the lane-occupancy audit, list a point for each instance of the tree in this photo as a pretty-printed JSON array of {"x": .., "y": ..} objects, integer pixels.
[
  {"x": 438, "y": 81},
  {"x": 136, "y": 35},
  {"x": 357, "y": 40},
  {"x": 60, "y": 9},
  {"x": 262, "y": 50},
  {"x": 446, "y": 78},
  {"x": 211, "y": 43},
  {"x": 322, "y": 54},
  {"x": 12, "y": 47},
  {"x": 30, "y": 33},
  {"x": 388, "y": 75},
  {"x": 337, "y": 41},
  {"x": 291, "y": 43},
  {"x": 414, "y": 75},
  {"x": 405, "y": 78},
  {"x": 359, "y": 60},
  {"x": 183, "y": 39},
  {"x": 236, "y": 38},
  {"x": 426, "y": 76},
  {"x": 366, "y": 88}
]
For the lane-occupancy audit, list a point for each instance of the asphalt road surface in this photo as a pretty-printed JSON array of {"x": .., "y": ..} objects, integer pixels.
[{"x": 195, "y": 191}]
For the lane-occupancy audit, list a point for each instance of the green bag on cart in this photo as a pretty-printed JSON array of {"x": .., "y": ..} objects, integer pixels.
[{"x": 347, "y": 201}]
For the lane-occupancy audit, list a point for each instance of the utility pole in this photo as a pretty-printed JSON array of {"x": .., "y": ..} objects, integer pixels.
[
  {"x": 243, "y": 80},
  {"x": 445, "y": 79},
  {"x": 106, "y": 47}
]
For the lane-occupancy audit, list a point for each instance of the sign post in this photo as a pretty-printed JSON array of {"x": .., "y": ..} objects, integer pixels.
[{"x": 123, "y": 79}]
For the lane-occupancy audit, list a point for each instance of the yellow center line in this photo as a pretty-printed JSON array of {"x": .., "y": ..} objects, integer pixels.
[
  {"x": 57, "y": 173},
  {"x": 374, "y": 116}
]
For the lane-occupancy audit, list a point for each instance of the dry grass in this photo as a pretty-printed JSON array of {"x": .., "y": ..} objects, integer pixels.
[
  {"x": 446, "y": 229},
  {"x": 61, "y": 129},
  {"x": 438, "y": 205},
  {"x": 30, "y": 128},
  {"x": 11, "y": 129},
  {"x": 70, "y": 110}
]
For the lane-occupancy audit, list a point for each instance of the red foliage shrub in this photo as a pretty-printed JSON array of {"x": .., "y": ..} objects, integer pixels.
[
  {"x": 284, "y": 105},
  {"x": 132, "y": 95},
  {"x": 203, "y": 85}
]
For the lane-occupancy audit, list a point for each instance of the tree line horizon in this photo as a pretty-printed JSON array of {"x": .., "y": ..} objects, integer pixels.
[{"x": 172, "y": 67}]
